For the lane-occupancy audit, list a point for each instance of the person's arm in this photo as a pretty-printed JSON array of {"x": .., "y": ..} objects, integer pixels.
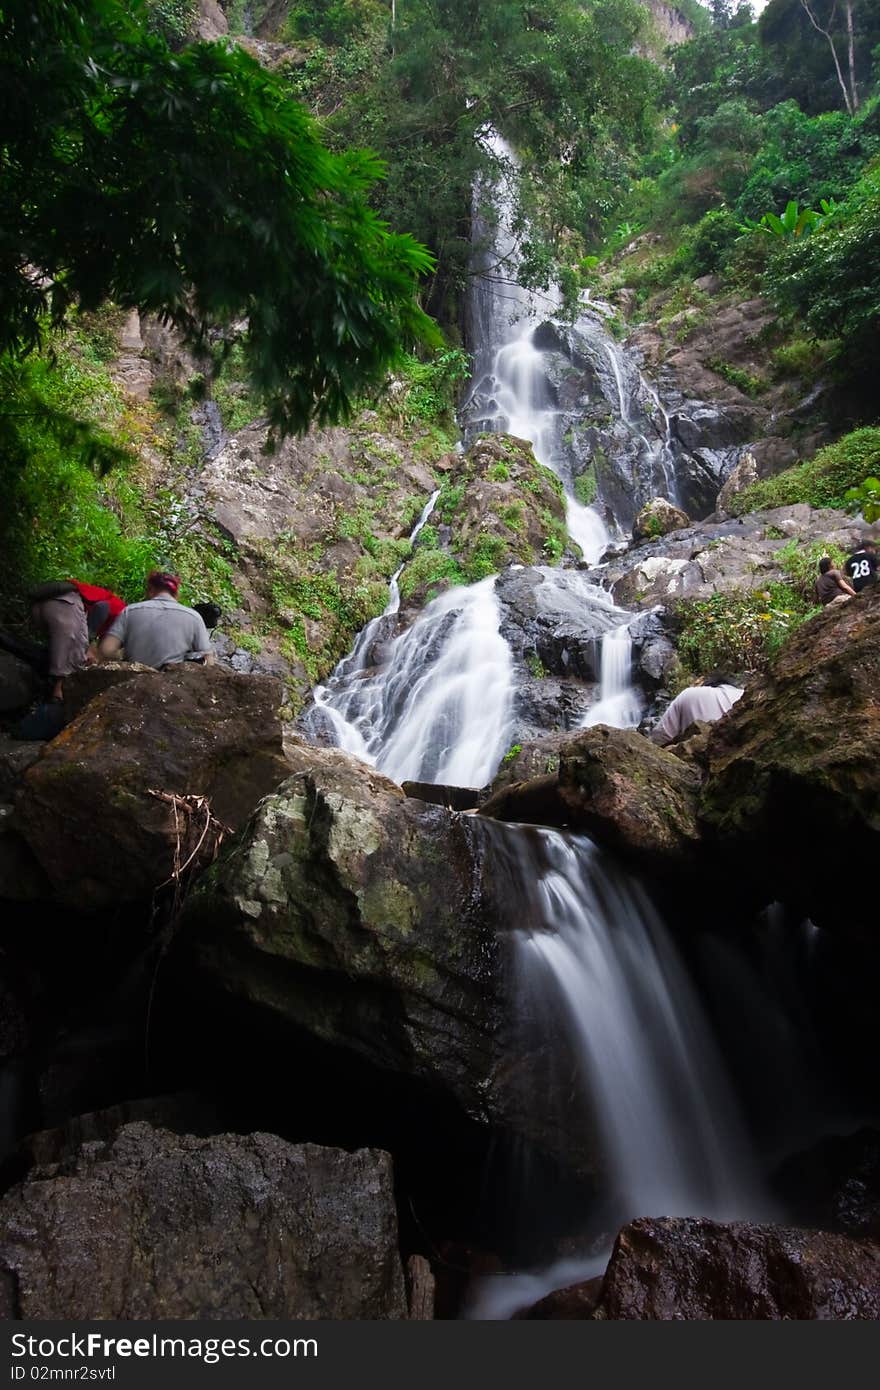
[
  {"x": 665, "y": 730},
  {"x": 200, "y": 644},
  {"x": 845, "y": 585},
  {"x": 109, "y": 648}
]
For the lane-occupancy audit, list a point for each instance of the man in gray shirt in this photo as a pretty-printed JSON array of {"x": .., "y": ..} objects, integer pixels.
[
  {"x": 705, "y": 702},
  {"x": 160, "y": 631}
]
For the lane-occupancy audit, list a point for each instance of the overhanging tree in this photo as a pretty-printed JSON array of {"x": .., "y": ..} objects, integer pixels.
[{"x": 190, "y": 185}]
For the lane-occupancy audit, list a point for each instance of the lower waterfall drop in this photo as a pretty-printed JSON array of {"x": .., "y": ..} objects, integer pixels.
[{"x": 598, "y": 977}]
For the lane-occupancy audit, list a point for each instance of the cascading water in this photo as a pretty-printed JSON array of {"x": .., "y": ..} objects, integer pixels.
[
  {"x": 592, "y": 956},
  {"x": 510, "y": 392},
  {"x": 525, "y": 360},
  {"x": 619, "y": 703},
  {"x": 439, "y": 709}
]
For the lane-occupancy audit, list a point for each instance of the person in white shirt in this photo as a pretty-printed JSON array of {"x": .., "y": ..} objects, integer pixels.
[
  {"x": 705, "y": 702},
  {"x": 159, "y": 632}
]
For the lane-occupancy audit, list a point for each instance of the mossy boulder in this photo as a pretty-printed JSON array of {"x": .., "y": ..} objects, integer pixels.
[
  {"x": 657, "y": 518},
  {"x": 352, "y": 911},
  {"x": 497, "y": 506},
  {"x": 375, "y": 923},
  {"x": 638, "y": 800}
]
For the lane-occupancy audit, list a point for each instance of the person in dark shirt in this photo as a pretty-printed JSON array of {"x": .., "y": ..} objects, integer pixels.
[
  {"x": 861, "y": 567},
  {"x": 831, "y": 587}
]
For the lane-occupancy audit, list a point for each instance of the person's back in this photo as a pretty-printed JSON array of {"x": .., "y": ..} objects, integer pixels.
[
  {"x": 102, "y": 607},
  {"x": 861, "y": 567},
  {"x": 159, "y": 631},
  {"x": 698, "y": 703}
]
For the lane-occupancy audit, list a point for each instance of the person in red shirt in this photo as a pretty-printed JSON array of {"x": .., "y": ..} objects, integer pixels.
[{"x": 102, "y": 607}]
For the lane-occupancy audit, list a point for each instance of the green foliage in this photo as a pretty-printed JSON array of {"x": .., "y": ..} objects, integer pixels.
[
  {"x": 832, "y": 282},
  {"x": 866, "y": 499},
  {"x": 485, "y": 558},
  {"x": 744, "y": 381},
  {"x": 822, "y": 481},
  {"x": 119, "y": 155},
  {"x": 584, "y": 486},
  {"x": 535, "y": 666},
  {"x": 803, "y": 357},
  {"x": 795, "y": 221},
  {"x": 247, "y": 641},
  {"x": 499, "y": 472},
  {"x": 172, "y": 19},
  {"x": 77, "y": 508},
  {"x": 513, "y": 752},
  {"x": 738, "y": 631},
  {"x": 799, "y": 562},
  {"x": 430, "y": 567},
  {"x": 708, "y": 249},
  {"x": 432, "y": 386},
  {"x": 331, "y": 21},
  {"x": 230, "y": 387},
  {"x": 805, "y": 158}
]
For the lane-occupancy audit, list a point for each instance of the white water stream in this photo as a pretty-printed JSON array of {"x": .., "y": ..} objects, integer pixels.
[
  {"x": 509, "y": 370},
  {"x": 619, "y": 703},
  {"x": 596, "y": 958},
  {"x": 439, "y": 708}
]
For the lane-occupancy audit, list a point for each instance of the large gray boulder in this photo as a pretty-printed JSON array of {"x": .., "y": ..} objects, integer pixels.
[
  {"x": 159, "y": 1225},
  {"x": 355, "y": 912}
]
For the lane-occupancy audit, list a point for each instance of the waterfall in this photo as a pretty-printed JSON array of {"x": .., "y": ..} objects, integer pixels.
[
  {"x": 594, "y": 963},
  {"x": 439, "y": 709},
  {"x": 619, "y": 703},
  {"x": 573, "y": 390},
  {"x": 510, "y": 391}
]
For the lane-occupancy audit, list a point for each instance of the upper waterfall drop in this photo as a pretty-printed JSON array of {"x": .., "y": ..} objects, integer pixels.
[
  {"x": 510, "y": 393},
  {"x": 572, "y": 390}
]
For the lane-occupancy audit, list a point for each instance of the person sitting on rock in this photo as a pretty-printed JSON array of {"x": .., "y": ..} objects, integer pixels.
[
  {"x": 861, "y": 567},
  {"x": 705, "y": 702},
  {"x": 159, "y": 632},
  {"x": 831, "y": 587},
  {"x": 59, "y": 611}
]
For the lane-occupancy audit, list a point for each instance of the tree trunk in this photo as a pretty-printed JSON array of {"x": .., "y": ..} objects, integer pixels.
[
  {"x": 826, "y": 33},
  {"x": 851, "y": 53}
]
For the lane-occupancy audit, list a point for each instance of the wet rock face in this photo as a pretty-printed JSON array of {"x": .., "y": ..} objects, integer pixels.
[
  {"x": 157, "y": 1225},
  {"x": 86, "y": 807},
  {"x": 793, "y": 788},
  {"x": 554, "y": 622},
  {"x": 679, "y": 1268},
  {"x": 722, "y": 556}
]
